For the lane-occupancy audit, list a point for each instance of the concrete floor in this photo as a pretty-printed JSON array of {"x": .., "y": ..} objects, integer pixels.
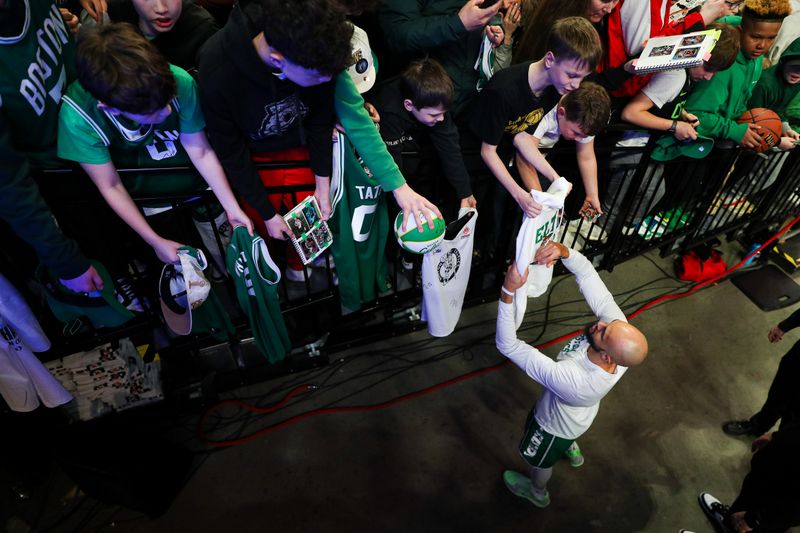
[{"x": 434, "y": 462}]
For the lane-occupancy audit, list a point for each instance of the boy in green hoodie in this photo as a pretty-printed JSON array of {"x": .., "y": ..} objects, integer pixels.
[
  {"x": 718, "y": 102},
  {"x": 778, "y": 86}
]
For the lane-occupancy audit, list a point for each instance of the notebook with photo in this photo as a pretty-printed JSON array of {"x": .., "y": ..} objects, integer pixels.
[
  {"x": 310, "y": 234},
  {"x": 677, "y": 51}
]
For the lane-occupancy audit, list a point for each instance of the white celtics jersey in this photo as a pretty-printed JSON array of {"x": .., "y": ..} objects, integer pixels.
[
  {"x": 533, "y": 233},
  {"x": 23, "y": 378},
  {"x": 445, "y": 273}
]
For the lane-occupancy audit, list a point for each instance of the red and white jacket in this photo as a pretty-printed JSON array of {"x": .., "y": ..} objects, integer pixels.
[{"x": 630, "y": 25}]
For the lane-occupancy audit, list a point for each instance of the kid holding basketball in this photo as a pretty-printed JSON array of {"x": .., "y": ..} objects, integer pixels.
[{"x": 718, "y": 102}]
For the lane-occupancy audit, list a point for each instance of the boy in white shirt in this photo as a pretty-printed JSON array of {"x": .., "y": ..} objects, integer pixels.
[{"x": 579, "y": 116}]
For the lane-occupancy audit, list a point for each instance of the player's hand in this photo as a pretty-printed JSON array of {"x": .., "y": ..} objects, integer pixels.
[
  {"x": 549, "y": 253},
  {"x": 685, "y": 131},
  {"x": 167, "y": 250},
  {"x": 373, "y": 113},
  {"x": 738, "y": 523},
  {"x": 277, "y": 228},
  {"x": 511, "y": 19},
  {"x": 89, "y": 281},
  {"x": 411, "y": 202},
  {"x": 95, "y": 8},
  {"x": 787, "y": 143},
  {"x": 473, "y": 17},
  {"x": 513, "y": 279},
  {"x": 237, "y": 217},
  {"x": 775, "y": 334},
  {"x": 469, "y": 202},
  {"x": 529, "y": 206},
  {"x": 714, "y": 9},
  {"x": 323, "y": 195},
  {"x": 70, "y": 20},
  {"x": 751, "y": 139}
]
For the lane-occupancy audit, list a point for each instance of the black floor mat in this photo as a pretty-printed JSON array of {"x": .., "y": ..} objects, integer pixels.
[{"x": 768, "y": 287}]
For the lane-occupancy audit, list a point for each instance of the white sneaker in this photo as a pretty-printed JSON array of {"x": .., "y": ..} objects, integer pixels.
[{"x": 297, "y": 275}]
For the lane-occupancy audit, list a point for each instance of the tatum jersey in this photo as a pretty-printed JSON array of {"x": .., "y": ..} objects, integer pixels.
[
  {"x": 360, "y": 226},
  {"x": 37, "y": 62},
  {"x": 256, "y": 276},
  {"x": 445, "y": 273},
  {"x": 90, "y": 135},
  {"x": 533, "y": 233}
]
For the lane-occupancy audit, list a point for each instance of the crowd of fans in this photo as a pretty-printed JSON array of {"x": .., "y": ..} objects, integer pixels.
[
  {"x": 160, "y": 83},
  {"x": 475, "y": 88}
]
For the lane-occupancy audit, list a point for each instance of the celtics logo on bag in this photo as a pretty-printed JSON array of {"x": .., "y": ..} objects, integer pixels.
[{"x": 448, "y": 266}]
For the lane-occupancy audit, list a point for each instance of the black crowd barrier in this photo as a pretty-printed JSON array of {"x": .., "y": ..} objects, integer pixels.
[{"x": 671, "y": 206}]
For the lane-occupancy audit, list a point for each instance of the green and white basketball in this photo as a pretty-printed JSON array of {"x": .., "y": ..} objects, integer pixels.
[{"x": 415, "y": 241}]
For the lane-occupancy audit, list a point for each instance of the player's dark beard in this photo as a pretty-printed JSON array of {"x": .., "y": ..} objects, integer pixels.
[{"x": 587, "y": 331}]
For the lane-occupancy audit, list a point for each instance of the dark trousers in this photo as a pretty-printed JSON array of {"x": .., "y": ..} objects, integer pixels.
[
  {"x": 770, "y": 490},
  {"x": 783, "y": 399}
]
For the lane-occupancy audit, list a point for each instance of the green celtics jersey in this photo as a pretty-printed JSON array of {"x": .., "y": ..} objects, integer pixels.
[
  {"x": 36, "y": 65},
  {"x": 256, "y": 277},
  {"x": 87, "y": 134},
  {"x": 360, "y": 226}
]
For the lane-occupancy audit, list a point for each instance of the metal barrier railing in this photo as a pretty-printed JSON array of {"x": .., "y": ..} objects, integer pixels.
[{"x": 670, "y": 206}]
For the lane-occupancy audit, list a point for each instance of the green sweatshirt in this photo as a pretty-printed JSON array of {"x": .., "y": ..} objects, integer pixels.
[
  {"x": 772, "y": 90},
  {"x": 36, "y": 63},
  {"x": 364, "y": 135},
  {"x": 793, "y": 113},
  {"x": 718, "y": 102}
]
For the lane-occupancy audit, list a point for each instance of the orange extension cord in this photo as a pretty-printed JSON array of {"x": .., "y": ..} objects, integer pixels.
[{"x": 433, "y": 388}]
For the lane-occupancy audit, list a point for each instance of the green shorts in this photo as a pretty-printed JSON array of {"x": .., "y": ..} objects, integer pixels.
[{"x": 538, "y": 447}]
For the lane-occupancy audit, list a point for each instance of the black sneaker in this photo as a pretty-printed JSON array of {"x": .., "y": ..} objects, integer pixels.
[
  {"x": 739, "y": 427},
  {"x": 716, "y": 512}
]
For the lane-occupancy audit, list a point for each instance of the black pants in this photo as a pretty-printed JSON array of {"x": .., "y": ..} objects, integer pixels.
[
  {"x": 783, "y": 399},
  {"x": 770, "y": 490}
]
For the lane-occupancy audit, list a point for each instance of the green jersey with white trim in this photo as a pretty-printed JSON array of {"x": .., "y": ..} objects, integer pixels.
[
  {"x": 360, "y": 226},
  {"x": 37, "y": 58},
  {"x": 87, "y": 134},
  {"x": 256, "y": 277}
]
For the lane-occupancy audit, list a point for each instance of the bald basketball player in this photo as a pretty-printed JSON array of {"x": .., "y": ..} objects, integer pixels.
[{"x": 583, "y": 373}]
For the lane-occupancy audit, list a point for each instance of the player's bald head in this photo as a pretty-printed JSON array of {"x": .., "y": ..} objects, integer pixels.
[{"x": 625, "y": 344}]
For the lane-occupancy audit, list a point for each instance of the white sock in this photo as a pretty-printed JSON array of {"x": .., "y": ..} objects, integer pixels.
[{"x": 539, "y": 478}]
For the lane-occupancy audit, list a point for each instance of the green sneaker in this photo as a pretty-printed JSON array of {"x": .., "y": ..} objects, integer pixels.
[
  {"x": 574, "y": 455},
  {"x": 520, "y": 485}
]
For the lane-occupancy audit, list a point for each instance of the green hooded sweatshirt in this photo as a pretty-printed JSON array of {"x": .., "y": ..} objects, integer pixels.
[
  {"x": 772, "y": 90},
  {"x": 718, "y": 102}
]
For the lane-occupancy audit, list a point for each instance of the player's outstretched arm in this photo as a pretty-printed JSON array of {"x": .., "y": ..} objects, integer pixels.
[{"x": 534, "y": 363}]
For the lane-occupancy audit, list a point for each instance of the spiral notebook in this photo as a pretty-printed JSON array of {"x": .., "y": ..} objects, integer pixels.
[
  {"x": 677, "y": 51},
  {"x": 310, "y": 234}
]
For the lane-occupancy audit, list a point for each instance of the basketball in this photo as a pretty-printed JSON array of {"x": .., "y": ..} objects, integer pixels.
[
  {"x": 771, "y": 127},
  {"x": 415, "y": 241}
]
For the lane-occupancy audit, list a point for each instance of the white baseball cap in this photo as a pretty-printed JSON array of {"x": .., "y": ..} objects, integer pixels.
[
  {"x": 183, "y": 288},
  {"x": 362, "y": 68}
]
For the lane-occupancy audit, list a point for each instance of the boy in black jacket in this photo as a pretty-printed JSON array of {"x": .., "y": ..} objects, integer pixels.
[
  {"x": 266, "y": 91},
  {"x": 414, "y": 113}
]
